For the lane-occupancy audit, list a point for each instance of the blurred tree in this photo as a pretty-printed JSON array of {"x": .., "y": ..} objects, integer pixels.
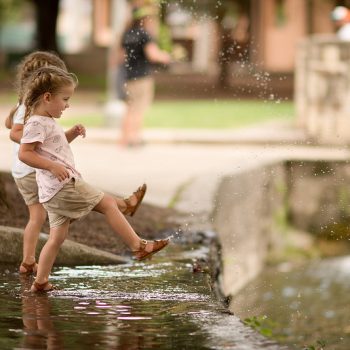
[{"x": 46, "y": 21}]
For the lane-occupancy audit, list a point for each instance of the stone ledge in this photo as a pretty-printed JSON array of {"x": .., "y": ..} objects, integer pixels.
[{"x": 71, "y": 253}]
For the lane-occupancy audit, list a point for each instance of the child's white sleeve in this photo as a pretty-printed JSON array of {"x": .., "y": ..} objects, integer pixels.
[{"x": 18, "y": 117}]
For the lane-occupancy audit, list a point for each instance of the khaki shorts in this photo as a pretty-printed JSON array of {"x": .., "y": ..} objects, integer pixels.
[
  {"x": 75, "y": 200},
  {"x": 28, "y": 188},
  {"x": 139, "y": 94}
]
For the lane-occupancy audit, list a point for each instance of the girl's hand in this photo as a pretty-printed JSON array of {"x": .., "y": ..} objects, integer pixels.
[
  {"x": 59, "y": 171},
  {"x": 79, "y": 130}
]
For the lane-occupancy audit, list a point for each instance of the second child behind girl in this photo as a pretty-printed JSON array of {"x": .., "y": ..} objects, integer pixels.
[{"x": 63, "y": 192}]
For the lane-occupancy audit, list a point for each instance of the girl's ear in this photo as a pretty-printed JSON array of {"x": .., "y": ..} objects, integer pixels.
[{"x": 47, "y": 96}]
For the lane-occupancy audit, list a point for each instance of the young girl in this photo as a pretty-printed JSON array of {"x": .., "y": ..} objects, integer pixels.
[
  {"x": 62, "y": 191},
  {"x": 24, "y": 175}
]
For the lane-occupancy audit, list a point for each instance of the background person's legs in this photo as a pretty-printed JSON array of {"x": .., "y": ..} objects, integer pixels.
[
  {"x": 145, "y": 98},
  {"x": 127, "y": 128},
  {"x": 140, "y": 94}
]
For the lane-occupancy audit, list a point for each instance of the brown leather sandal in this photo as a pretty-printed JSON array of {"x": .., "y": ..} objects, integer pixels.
[
  {"x": 158, "y": 245},
  {"x": 42, "y": 287},
  {"x": 139, "y": 194},
  {"x": 29, "y": 268}
]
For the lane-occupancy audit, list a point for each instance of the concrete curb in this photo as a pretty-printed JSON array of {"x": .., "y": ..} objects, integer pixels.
[{"x": 71, "y": 253}]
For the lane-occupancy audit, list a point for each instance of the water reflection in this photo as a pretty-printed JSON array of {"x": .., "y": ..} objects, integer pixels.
[
  {"x": 111, "y": 308},
  {"x": 39, "y": 331},
  {"x": 160, "y": 304},
  {"x": 302, "y": 305}
]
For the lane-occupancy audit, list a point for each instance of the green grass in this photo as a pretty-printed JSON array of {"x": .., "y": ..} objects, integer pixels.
[
  {"x": 201, "y": 114},
  {"x": 88, "y": 120},
  {"x": 92, "y": 81},
  {"x": 215, "y": 114},
  {"x": 8, "y": 98}
]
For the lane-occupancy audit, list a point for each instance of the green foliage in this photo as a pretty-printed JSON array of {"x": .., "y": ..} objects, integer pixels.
[
  {"x": 320, "y": 345},
  {"x": 281, "y": 213},
  {"x": 280, "y": 15},
  {"x": 281, "y": 218},
  {"x": 9, "y": 10},
  {"x": 261, "y": 324},
  {"x": 344, "y": 200},
  {"x": 175, "y": 199},
  {"x": 164, "y": 40}
]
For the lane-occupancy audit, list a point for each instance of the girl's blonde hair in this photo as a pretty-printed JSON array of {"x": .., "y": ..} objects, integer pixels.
[
  {"x": 26, "y": 67},
  {"x": 46, "y": 79}
]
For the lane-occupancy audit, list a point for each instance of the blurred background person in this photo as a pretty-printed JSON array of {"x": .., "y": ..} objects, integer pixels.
[{"x": 141, "y": 52}]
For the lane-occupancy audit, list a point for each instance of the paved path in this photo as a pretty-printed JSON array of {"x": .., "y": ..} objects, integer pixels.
[{"x": 171, "y": 160}]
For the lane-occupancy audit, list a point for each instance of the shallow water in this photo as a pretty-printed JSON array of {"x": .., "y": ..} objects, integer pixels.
[
  {"x": 161, "y": 304},
  {"x": 302, "y": 305}
]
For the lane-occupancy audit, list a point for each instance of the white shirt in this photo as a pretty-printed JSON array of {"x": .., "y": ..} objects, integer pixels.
[{"x": 19, "y": 169}]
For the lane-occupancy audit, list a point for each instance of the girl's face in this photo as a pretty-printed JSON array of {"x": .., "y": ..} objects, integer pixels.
[{"x": 56, "y": 103}]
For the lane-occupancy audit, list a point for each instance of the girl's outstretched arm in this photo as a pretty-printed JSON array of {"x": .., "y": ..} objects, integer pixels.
[
  {"x": 74, "y": 132},
  {"x": 28, "y": 155}
]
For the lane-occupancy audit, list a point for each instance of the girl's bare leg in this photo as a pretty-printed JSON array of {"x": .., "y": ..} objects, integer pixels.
[
  {"x": 117, "y": 221},
  {"x": 49, "y": 252},
  {"x": 37, "y": 217},
  {"x": 120, "y": 225}
]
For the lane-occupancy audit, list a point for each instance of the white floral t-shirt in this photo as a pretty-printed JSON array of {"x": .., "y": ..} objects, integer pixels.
[{"x": 54, "y": 146}]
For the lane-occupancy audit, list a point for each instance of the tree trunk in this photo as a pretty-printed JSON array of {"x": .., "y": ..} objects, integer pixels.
[
  {"x": 223, "y": 60},
  {"x": 46, "y": 20}
]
